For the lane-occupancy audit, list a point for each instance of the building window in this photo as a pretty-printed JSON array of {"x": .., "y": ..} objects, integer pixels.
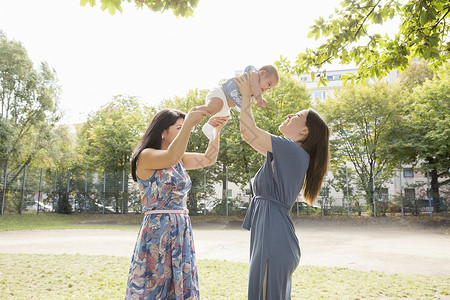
[
  {"x": 318, "y": 95},
  {"x": 333, "y": 77},
  {"x": 382, "y": 194},
  {"x": 408, "y": 173},
  {"x": 303, "y": 79}
]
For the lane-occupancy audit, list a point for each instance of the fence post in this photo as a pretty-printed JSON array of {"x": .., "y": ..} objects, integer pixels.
[
  {"x": 401, "y": 191},
  {"x": 123, "y": 190},
  {"x": 348, "y": 198},
  {"x": 23, "y": 189},
  {"x": 85, "y": 191},
  {"x": 4, "y": 187},
  {"x": 39, "y": 193},
  {"x": 428, "y": 192},
  {"x": 68, "y": 187},
  {"x": 373, "y": 191},
  {"x": 226, "y": 192},
  {"x": 204, "y": 186},
  {"x": 54, "y": 191},
  {"x": 104, "y": 190}
]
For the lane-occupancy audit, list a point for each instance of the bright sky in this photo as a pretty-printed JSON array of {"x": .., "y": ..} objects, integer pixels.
[{"x": 151, "y": 55}]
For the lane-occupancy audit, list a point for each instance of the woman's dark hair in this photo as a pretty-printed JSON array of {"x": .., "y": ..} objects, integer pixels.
[
  {"x": 161, "y": 121},
  {"x": 318, "y": 147}
]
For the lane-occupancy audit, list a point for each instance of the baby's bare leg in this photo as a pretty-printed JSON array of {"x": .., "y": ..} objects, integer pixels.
[{"x": 213, "y": 106}]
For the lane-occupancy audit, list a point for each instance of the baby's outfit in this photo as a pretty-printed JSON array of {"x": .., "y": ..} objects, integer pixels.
[
  {"x": 228, "y": 89},
  {"x": 232, "y": 91}
]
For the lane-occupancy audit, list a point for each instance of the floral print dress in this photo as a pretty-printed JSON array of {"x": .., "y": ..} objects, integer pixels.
[{"x": 163, "y": 264}]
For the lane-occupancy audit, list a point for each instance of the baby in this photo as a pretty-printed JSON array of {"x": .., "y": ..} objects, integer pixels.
[{"x": 220, "y": 99}]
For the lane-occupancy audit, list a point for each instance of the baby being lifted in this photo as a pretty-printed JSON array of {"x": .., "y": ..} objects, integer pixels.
[{"x": 220, "y": 99}]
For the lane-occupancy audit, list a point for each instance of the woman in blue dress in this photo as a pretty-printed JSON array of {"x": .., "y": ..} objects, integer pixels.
[
  {"x": 163, "y": 264},
  {"x": 296, "y": 161}
]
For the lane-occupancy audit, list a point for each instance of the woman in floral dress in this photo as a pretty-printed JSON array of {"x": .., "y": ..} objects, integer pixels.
[{"x": 163, "y": 264}]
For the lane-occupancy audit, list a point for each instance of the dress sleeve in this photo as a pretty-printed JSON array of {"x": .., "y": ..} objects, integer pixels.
[{"x": 290, "y": 161}]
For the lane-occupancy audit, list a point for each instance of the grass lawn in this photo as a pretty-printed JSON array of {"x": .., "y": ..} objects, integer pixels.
[
  {"x": 33, "y": 276},
  {"x": 45, "y": 221},
  {"x": 27, "y": 221}
]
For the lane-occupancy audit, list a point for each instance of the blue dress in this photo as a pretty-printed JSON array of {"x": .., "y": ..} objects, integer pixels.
[
  {"x": 163, "y": 264},
  {"x": 273, "y": 243}
]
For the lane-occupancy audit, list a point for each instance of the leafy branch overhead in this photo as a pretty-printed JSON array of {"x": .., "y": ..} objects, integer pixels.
[
  {"x": 423, "y": 33},
  {"x": 180, "y": 8}
]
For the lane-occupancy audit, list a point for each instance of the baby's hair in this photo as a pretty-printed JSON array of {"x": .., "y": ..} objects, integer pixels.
[{"x": 270, "y": 71}]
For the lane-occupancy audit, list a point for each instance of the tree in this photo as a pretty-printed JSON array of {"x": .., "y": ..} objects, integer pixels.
[
  {"x": 346, "y": 182},
  {"x": 424, "y": 140},
  {"x": 180, "y": 8},
  {"x": 109, "y": 137},
  {"x": 360, "y": 119},
  {"x": 62, "y": 158},
  {"x": 415, "y": 75},
  {"x": 198, "y": 142},
  {"x": 29, "y": 100},
  {"x": 423, "y": 33}
]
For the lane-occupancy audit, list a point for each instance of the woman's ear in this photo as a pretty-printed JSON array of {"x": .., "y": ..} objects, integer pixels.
[{"x": 304, "y": 133}]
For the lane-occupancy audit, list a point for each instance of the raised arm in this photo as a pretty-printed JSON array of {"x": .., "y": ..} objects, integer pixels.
[
  {"x": 250, "y": 133},
  {"x": 152, "y": 159},
  {"x": 193, "y": 161}
]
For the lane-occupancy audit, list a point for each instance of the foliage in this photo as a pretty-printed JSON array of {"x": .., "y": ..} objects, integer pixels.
[
  {"x": 424, "y": 140},
  {"x": 29, "y": 100},
  {"x": 180, "y": 8},
  {"x": 107, "y": 141},
  {"x": 325, "y": 199},
  {"x": 415, "y": 75},
  {"x": 423, "y": 33},
  {"x": 360, "y": 118},
  {"x": 110, "y": 134}
]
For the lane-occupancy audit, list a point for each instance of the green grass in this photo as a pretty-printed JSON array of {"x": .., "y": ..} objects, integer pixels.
[
  {"x": 43, "y": 221},
  {"x": 33, "y": 276}
]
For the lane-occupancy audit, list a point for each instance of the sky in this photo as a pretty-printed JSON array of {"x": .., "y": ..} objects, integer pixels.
[{"x": 154, "y": 55}]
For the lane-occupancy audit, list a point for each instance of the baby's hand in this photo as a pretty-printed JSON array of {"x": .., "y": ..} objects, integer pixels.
[{"x": 261, "y": 102}]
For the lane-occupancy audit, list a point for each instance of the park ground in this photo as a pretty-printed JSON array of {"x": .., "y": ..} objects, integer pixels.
[{"x": 404, "y": 245}]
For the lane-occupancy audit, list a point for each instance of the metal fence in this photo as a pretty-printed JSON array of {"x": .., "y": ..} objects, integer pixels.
[{"x": 45, "y": 190}]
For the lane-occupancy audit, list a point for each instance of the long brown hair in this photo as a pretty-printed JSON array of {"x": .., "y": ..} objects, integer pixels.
[
  {"x": 318, "y": 147},
  {"x": 152, "y": 136}
]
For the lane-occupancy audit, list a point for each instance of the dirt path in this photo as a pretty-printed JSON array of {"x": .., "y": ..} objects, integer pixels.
[{"x": 388, "y": 248}]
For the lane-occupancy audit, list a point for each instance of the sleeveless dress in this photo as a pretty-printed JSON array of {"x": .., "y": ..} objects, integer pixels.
[
  {"x": 163, "y": 263},
  {"x": 273, "y": 244}
]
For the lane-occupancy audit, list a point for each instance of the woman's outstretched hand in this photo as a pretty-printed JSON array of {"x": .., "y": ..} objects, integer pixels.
[
  {"x": 195, "y": 116},
  {"x": 218, "y": 122},
  {"x": 243, "y": 83}
]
